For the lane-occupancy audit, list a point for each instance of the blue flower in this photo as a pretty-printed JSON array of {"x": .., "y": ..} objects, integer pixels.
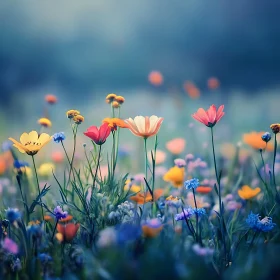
[
  {"x": 199, "y": 211},
  {"x": 266, "y": 137},
  {"x": 12, "y": 214},
  {"x": 19, "y": 163},
  {"x": 264, "y": 225},
  {"x": 7, "y": 146},
  {"x": 59, "y": 137},
  {"x": 59, "y": 213},
  {"x": 44, "y": 258},
  {"x": 191, "y": 184},
  {"x": 188, "y": 212},
  {"x": 127, "y": 232}
]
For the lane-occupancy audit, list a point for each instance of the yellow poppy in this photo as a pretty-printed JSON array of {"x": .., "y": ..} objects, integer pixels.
[
  {"x": 175, "y": 176},
  {"x": 247, "y": 193}
]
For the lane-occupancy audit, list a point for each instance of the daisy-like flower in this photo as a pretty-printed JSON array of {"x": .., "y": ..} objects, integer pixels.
[
  {"x": 209, "y": 117},
  {"x": 78, "y": 119},
  {"x": 45, "y": 122},
  {"x": 31, "y": 143},
  {"x": 72, "y": 113},
  {"x": 144, "y": 126}
]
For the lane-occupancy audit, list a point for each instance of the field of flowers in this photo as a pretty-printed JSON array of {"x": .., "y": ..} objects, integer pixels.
[{"x": 94, "y": 208}]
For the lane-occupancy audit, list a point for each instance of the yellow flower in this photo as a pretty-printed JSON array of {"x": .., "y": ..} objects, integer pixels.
[
  {"x": 275, "y": 128},
  {"x": 78, "y": 119},
  {"x": 45, "y": 169},
  {"x": 247, "y": 193},
  {"x": 45, "y": 122},
  {"x": 172, "y": 198},
  {"x": 110, "y": 97},
  {"x": 72, "y": 113},
  {"x": 115, "y": 104},
  {"x": 31, "y": 143},
  {"x": 115, "y": 122},
  {"x": 175, "y": 176},
  {"x": 131, "y": 187},
  {"x": 120, "y": 99}
]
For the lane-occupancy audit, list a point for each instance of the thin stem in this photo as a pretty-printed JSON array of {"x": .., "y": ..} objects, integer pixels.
[
  {"x": 65, "y": 153},
  {"x": 54, "y": 229},
  {"x": 253, "y": 239},
  {"x": 274, "y": 159},
  {"x": 38, "y": 186},
  {"x": 23, "y": 200},
  {"x": 96, "y": 170},
  {"x": 73, "y": 155},
  {"x": 89, "y": 166},
  {"x": 146, "y": 158},
  {"x": 196, "y": 215}
]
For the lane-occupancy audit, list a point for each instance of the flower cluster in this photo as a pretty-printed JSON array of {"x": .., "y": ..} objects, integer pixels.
[
  {"x": 263, "y": 225},
  {"x": 191, "y": 184}
]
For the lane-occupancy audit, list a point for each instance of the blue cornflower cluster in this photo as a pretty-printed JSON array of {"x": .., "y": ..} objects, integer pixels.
[
  {"x": 59, "y": 213},
  {"x": 191, "y": 184},
  {"x": 44, "y": 258},
  {"x": 59, "y": 137},
  {"x": 12, "y": 214},
  {"x": 264, "y": 225},
  {"x": 199, "y": 211},
  {"x": 188, "y": 212},
  {"x": 266, "y": 137}
]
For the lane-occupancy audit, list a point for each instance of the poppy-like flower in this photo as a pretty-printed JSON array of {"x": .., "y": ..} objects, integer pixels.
[
  {"x": 266, "y": 137},
  {"x": 51, "y": 99},
  {"x": 191, "y": 184},
  {"x": 98, "y": 135},
  {"x": 78, "y": 119},
  {"x": 255, "y": 223},
  {"x": 155, "y": 78},
  {"x": 120, "y": 99},
  {"x": 203, "y": 189},
  {"x": 47, "y": 218},
  {"x": 72, "y": 113},
  {"x": 59, "y": 213},
  {"x": 159, "y": 158},
  {"x": 3, "y": 166},
  {"x": 114, "y": 123},
  {"x": 209, "y": 117},
  {"x": 10, "y": 246},
  {"x": 275, "y": 128},
  {"x": 59, "y": 137},
  {"x": 247, "y": 193},
  {"x": 110, "y": 97},
  {"x": 152, "y": 228},
  {"x": 175, "y": 175},
  {"x": 191, "y": 89},
  {"x": 45, "y": 122},
  {"x": 142, "y": 198},
  {"x": 254, "y": 139},
  {"x": 31, "y": 143},
  {"x": 176, "y": 146},
  {"x": 68, "y": 231},
  {"x": 57, "y": 156},
  {"x": 66, "y": 219},
  {"x": 144, "y": 126},
  {"x": 46, "y": 169}
]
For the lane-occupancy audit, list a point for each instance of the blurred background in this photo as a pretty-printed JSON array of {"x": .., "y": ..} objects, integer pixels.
[{"x": 165, "y": 57}]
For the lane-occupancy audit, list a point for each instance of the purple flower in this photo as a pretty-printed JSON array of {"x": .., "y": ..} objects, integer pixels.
[
  {"x": 153, "y": 223},
  {"x": 59, "y": 213},
  {"x": 202, "y": 251},
  {"x": 10, "y": 246},
  {"x": 188, "y": 212},
  {"x": 180, "y": 162}
]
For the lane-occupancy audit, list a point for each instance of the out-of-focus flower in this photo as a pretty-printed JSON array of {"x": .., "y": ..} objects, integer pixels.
[
  {"x": 51, "y": 99},
  {"x": 247, "y": 193},
  {"x": 228, "y": 150},
  {"x": 155, "y": 78},
  {"x": 141, "y": 198},
  {"x": 59, "y": 137},
  {"x": 19, "y": 164},
  {"x": 180, "y": 162},
  {"x": 47, "y": 218},
  {"x": 16, "y": 265},
  {"x": 159, "y": 157},
  {"x": 191, "y": 89},
  {"x": 127, "y": 233},
  {"x": 110, "y": 98},
  {"x": 59, "y": 213},
  {"x": 120, "y": 99},
  {"x": 160, "y": 171},
  {"x": 6, "y": 146},
  {"x": 173, "y": 201},
  {"x": 264, "y": 225},
  {"x": 68, "y": 231},
  {"x": 107, "y": 237},
  {"x": 213, "y": 83},
  {"x": 188, "y": 212},
  {"x": 129, "y": 185},
  {"x": 46, "y": 169},
  {"x": 45, "y": 122},
  {"x": 31, "y": 143},
  {"x": 10, "y": 246},
  {"x": 209, "y": 117},
  {"x": 67, "y": 219},
  {"x": 232, "y": 205},
  {"x": 115, "y": 104},
  {"x": 152, "y": 228},
  {"x": 78, "y": 119},
  {"x": 199, "y": 211},
  {"x": 144, "y": 126},
  {"x": 275, "y": 128},
  {"x": 3, "y": 166},
  {"x": 35, "y": 229},
  {"x": 98, "y": 135},
  {"x": 266, "y": 137},
  {"x": 176, "y": 146},
  {"x": 254, "y": 139},
  {"x": 201, "y": 202},
  {"x": 57, "y": 156},
  {"x": 72, "y": 113},
  {"x": 202, "y": 251},
  {"x": 12, "y": 214},
  {"x": 191, "y": 184},
  {"x": 114, "y": 123},
  {"x": 44, "y": 258},
  {"x": 203, "y": 189},
  {"x": 175, "y": 175}
]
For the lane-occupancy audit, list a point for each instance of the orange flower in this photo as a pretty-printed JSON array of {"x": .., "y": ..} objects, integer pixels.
[
  {"x": 51, "y": 99},
  {"x": 160, "y": 156},
  {"x": 152, "y": 228},
  {"x": 247, "y": 193},
  {"x": 213, "y": 83},
  {"x": 115, "y": 122},
  {"x": 57, "y": 157},
  {"x": 203, "y": 189},
  {"x": 68, "y": 231},
  {"x": 254, "y": 139},
  {"x": 120, "y": 99},
  {"x": 45, "y": 122},
  {"x": 191, "y": 90},
  {"x": 2, "y": 166},
  {"x": 275, "y": 128},
  {"x": 144, "y": 126},
  {"x": 142, "y": 198},
  {"x": 67, "y": 219},
  {"x": 176, "y": 146},
  {"x": 155, "y": 78},
  {"x": 175, "y": 176},
  {"x": 110, "y": 97},
  {"x": 47, "y": 218}
]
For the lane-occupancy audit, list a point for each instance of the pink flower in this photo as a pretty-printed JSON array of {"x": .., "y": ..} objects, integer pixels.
[
  {"x": 98, "y": 135},
  {"x": 10, "y": 246},
  {"x": 176, "y": 146},
  {"x": 209, "y": 117}
]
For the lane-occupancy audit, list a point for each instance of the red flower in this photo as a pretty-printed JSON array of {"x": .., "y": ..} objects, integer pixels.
[
  {"x": 68, "y": 231},
  {"x": 98, "y": 135},
  {"x": 209, "y": 117}
]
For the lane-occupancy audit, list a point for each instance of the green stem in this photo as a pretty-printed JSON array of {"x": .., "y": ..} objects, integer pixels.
[
  {"x": 23, "y": 200},
  {"x": 274, "y": 159},
  {"x": 65, "y": 153},
  {"x": 54, "y": 229},
  {"x": 96, "y": 170},
  {"x": 89, "y": 166},
  {"x": 146, "y": 158},
  {"x": 196, "y": 216},
  {"x": 38, "y": 186}
]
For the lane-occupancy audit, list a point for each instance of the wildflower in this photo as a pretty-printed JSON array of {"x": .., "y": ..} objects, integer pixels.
[
  {"x": 59, "y": 213},
  {"x": 159, "y": 157},
  {"x": 203, "y": 189},
  {"x": 57, "y": 156},
  {"x": 10, "y": 246},
  {"x": 51, "y": 99},
  {"x": 59, "y": 137},
  {"x": 173, "y": 201},
  {"x": 72, "y": 113},
  {"x": 155, "y": 78},
  {"x": 142, "y": 198},
  {"x": 264, "y": 225},
  {"x": 209, "y": 117},
  {"x": 120, "y": 99},
  {"x": 47, "y": 218},
  {"x": 191, "y": 89},
  {"x": 131, "y": 186},
  {"x": 115, "y": 104},
  {"x": 266, "y": 137},
  {"x": 3, "y": 166},
  {"x": 68, "y": 231},
  {"x": 35, "y": 229},
  {"x": 114, "y": 123},
  {"x": 45, "y": 122},
  {"x": 127, "y": 233},
  {"x": 233, "y": 205},
  {"x": 110, "y": 97},
  {"x": 98, "y": 135},
  {"x": 107, "y": 237},
  {"x": 152, "y": 228},
  {"x": 175, "y": 175},
  {"x": 44, "y": 258},
  {"x": 202, "y": 251},
  {"x": 247, "y": 193},
  {"x": 12, "y": 214},
  {"x": 31, "y": 143},
  {"x": 176, "y": 146},
  {"x": 67, "y": 219},
  {"x": 180, "y": 162},
  {"x": 46, "y": 169},
  {"x": 144, "y": 126},
  {"x": 213, "y": 83},
  {"x": 19, "y": 164},
  {"x": 191, "y": 184},
  {"x": 254, "y": 139},
  {"x": 188, "y": 212},
  {"x": 199, "y": 211},
  {"x": 275, "y": 128},
  {"x": 78, "y": 119}
]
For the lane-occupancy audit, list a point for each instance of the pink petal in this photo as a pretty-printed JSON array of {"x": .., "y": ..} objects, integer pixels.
[{"x": 212, "y": 114}]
